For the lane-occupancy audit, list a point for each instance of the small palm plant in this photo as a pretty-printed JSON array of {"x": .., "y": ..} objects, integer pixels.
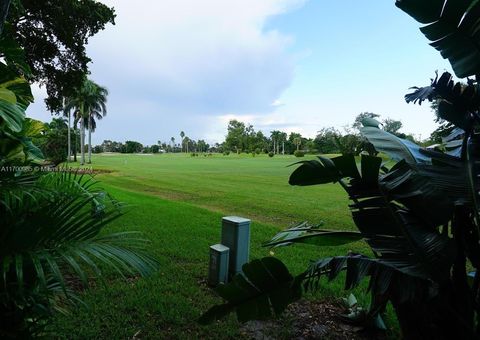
[{"x": 51, "y": 233}]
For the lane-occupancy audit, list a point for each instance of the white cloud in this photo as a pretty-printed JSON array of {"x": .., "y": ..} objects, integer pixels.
[{"x": 167, "y": 63}]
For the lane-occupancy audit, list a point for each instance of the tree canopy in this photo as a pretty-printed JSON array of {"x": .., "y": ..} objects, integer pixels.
[{"x": 53, "y": 35}]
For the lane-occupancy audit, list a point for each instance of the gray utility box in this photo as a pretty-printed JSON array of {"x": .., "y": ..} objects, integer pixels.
[
  {"x": 218, "y": 267},
  {"x": 236, "y": 236}
]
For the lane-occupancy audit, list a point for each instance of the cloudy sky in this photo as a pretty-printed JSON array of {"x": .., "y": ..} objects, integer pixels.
[{"x": 293, "y": 65}]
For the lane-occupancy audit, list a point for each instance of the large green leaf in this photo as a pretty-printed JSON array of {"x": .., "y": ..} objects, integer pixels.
[
  {"x": 265, "y": 288},
  {"x": 401, "y": 237},
  {"x": 11, "y": 116},
  {"x": 314, "y": 172},
  {"x": 304, "y": 233},
  {"x": 453, "y": 27},
  {"x": 393, "y": 146},
  {"x": 386, "y": 281},
  {"x": 8, "y": 96},
  {"x": 456, "y": 101}
]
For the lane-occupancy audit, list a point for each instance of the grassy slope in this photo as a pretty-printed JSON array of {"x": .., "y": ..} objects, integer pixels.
[
  {"x": 178, "y": 202},
  {"x": 256, "y": 187}
]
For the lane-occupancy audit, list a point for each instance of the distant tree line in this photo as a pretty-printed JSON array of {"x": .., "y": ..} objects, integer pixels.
[
  {"x": 243, "y": 138},
  {"x": 187, "y": 145}
]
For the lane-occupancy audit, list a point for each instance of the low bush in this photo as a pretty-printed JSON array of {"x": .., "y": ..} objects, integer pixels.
[
  {"x": 270, "y": 154},
  {"x": 299, "y": 153}
]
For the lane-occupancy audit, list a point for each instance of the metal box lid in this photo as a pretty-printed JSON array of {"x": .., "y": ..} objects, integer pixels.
[
  {"x": 220, "y": 248},
  {"x": 235, "y": 220}
]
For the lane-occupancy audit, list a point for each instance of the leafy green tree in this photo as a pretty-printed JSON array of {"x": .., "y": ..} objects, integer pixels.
[
  {"x": 112, "y": 146},
  {"x": 349, "y": 144},
  {"x": 235, "y": 136},
  {"x": 326, "y": 140},
  {"x": 259, "y": 141},
  {"x": 295, "y": 140},
  {"x": 392, "y": 125},
  {"x": 202, "y": 145},
  {"x": 97, "y": 149},
  {"x": 52, "y": 140},
  {"x": 133, "y": 147},
  {"x": 53, "y": 35}
]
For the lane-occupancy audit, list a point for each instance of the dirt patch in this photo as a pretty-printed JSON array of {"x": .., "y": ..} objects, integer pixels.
[
  {"x": 309, "y": 320},
  {"x": 102, "y": 171}
]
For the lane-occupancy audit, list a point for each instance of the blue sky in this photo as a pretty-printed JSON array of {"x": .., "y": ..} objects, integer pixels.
[{"x": 293, "y": 65}]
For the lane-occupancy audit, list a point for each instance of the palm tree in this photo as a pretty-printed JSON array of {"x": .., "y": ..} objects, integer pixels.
[
  {"x": 186, "y": 140},
  {"x": 297, "y": 141},
  {"x": 182, "y": 134},
  {"x": 97, "y": 110},
  {"x": 173, "y": 143},
  {"x": 88, "y": 103}
]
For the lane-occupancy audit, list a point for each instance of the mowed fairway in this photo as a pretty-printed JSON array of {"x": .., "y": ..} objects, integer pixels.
[
  {"x": 254, "y": 187},
  {"x": 177, "y": 202}
]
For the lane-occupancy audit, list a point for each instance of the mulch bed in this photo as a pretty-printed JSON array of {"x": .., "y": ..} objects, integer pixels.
[{"x": 308, "y": 320}]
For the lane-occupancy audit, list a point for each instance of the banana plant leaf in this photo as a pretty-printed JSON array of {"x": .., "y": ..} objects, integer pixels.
[
  {"x": 265, "y": 288},
  {"x": 452, "y": 26},
  {"x": 396, "y": 148},
  {"x": 454, "y": 135},
  {"x": 456, "y": 100},
  {"x": 308, "y": 234},
  {"x": 314, "y": 172}
]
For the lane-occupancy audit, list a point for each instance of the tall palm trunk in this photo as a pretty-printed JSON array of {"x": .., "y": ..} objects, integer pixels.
[
  {"x": 75, "y": 145},
  {"x": 89, "y": 140},
  {"x": 69, "y": 152},
  {"x": 82, "y": 137}
]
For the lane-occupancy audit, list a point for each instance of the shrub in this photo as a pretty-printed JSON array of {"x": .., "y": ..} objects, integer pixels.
[
  {"x": 226, "y": 152},
  {"x": 299, "y": 153},
  {"x": 258, "y": 151},
  {"x": 271, "y": 154}
]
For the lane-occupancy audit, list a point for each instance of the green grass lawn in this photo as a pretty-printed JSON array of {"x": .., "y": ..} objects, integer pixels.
[{"x": 177, "y": 201}]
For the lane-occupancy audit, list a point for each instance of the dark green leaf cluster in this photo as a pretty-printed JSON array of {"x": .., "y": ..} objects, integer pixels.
[
  {"x": 50, "y": 236},
  {"x": 53, "y": 36},
  {"x": 265, "y": 288},
  {"x": 453, "y": 28}
]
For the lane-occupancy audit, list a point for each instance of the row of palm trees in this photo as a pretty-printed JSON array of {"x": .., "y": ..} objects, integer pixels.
[{"x": 87, "y": 105}]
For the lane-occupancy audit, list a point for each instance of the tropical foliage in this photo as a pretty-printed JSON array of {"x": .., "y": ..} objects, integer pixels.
[
  {"x": 419, "y": 212},
  {"x": 51, "y": 219}
]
